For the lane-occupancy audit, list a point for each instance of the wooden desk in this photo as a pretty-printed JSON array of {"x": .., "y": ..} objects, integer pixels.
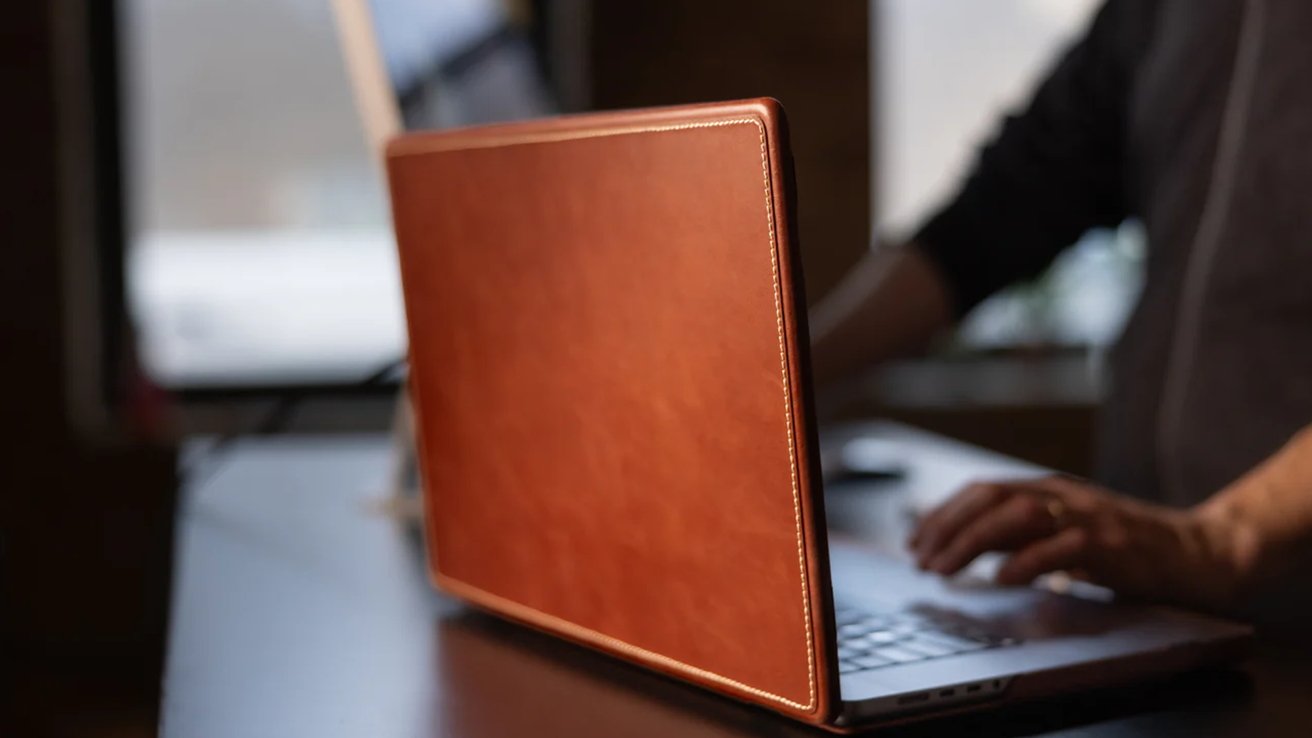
[{"x": 299, "y": 610}]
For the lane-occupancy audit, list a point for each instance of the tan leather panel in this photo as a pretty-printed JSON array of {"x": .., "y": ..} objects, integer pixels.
[{"x": 604, "y": 364}]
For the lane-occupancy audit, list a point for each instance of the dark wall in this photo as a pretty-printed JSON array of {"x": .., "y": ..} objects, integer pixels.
[
  {"x": 86, "y": 508},
  {"x": 814, "y": 57}
]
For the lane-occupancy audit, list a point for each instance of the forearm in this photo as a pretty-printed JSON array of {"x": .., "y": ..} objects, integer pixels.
[
  {"x": 893, "y": 303},
  {"x": 1051, "y": 173},
  {"x": 1264, "y": 519}
]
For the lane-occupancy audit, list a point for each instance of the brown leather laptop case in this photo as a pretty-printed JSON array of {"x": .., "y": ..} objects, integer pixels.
[{"x": 606, "y": 338}]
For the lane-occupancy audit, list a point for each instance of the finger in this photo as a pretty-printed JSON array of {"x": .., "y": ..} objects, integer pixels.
[
  {"x": 980, "y": 487},
  {"x": 1020, "y": 520},
  {"x": 1072, "y": 489},
  {"x": 1067, "y": 550},
  {"x": 944, "y": 522}
]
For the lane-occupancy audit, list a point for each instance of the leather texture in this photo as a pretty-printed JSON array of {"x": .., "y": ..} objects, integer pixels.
[{"x": 607, "y": 356}]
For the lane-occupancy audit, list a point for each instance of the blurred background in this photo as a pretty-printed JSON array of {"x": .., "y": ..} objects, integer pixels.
[
  {"x": 200, "y": 243},
  {"x": 260, "y": 256}
]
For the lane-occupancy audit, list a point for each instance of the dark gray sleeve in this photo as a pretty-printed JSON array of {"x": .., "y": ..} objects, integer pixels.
[{"x": 1051, "y": 173}]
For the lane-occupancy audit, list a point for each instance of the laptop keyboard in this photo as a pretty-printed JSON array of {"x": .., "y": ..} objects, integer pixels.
[{"x": 873, "y": 640}]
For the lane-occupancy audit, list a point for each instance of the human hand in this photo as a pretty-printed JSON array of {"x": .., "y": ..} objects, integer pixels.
[{"x": 1060, "y": 523}]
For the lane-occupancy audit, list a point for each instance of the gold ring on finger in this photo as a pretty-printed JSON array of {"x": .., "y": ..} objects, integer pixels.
[{"x": 1058, "y": 512}]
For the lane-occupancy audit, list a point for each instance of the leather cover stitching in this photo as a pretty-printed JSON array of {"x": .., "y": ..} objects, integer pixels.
[{"x": 583, "y": 634}]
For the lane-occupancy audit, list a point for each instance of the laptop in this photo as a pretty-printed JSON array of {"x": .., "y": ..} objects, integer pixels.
[{"x": 609, "y": 372}]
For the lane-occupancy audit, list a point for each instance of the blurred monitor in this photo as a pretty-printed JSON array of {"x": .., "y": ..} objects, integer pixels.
[{"x": 457, "y": 63}]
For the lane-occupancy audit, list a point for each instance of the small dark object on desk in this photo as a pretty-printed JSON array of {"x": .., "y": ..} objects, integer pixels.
[
  {"x": 861, "y": 461},
  {"x": 860, "y": 478}
]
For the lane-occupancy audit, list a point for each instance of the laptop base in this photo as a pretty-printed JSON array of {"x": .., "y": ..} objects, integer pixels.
[{"x": 1044, "y": 642}]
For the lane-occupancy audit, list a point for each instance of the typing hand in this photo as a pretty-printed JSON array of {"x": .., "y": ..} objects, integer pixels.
[{"x": 1063, "y": 524}]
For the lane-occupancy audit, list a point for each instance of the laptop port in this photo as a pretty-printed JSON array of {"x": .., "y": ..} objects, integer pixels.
[{"x": 913, "y": 699}]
